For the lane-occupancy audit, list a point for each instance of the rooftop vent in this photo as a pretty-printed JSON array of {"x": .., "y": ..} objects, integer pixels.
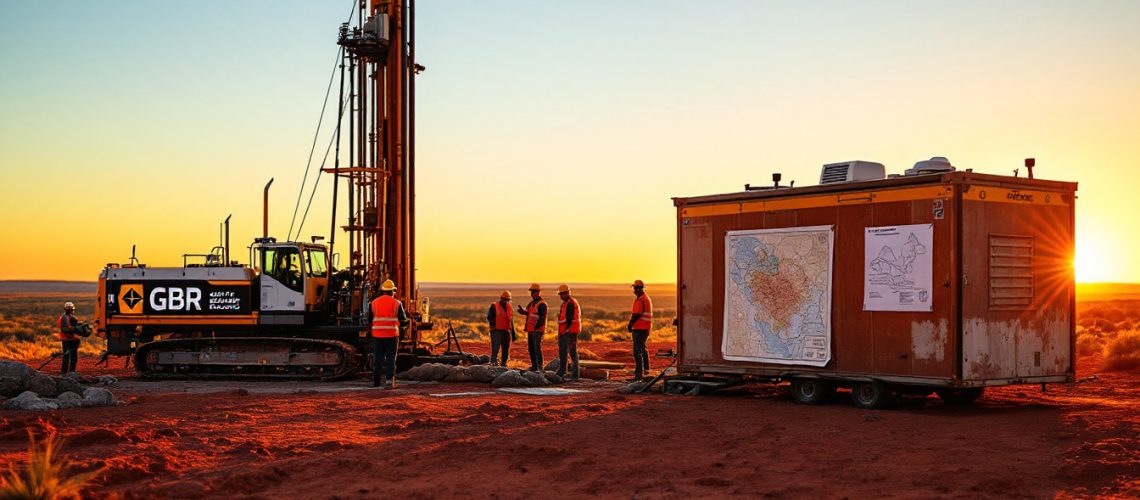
[
  {"x": 850, "y": 171},
  {"x": 935, "y": 165}
]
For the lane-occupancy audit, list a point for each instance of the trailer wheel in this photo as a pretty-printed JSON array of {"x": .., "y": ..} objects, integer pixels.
[
  {"x": 871, "y": 395},
  {"x": 812, "y": 391},
  {"x": 960, "y": 396}
]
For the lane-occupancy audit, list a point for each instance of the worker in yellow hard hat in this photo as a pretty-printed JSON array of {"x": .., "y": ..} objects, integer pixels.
[
  {"x": 387, "y": 316},
  {"x": 640, "y": 322},
  {"x": 535, "y": 326},
  {"x": 569, "y": 326},
  {"x": 500, "y": 318},
  {"x": 69, "y": 332}
]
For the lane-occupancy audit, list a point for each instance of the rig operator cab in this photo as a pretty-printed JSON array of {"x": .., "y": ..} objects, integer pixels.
[{"x": 293, "y": 283}]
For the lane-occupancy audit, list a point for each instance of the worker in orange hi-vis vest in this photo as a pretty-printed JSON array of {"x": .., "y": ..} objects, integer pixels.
[
  {"x": 569, "y": 326},
  {"x": 69, "y": 332},
  {"x": 535, "y": 326},
  {"x": 387, "y": 316},
  {"x": 500, "y": 318},
  {"x": 640, "y": 322}
]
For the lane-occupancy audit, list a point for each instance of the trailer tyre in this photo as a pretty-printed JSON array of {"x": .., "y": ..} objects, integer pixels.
[
  {"x": 960, "y": 396},
  {"x": 812, "y": 391},
  {"x": 871, "y": 395}
]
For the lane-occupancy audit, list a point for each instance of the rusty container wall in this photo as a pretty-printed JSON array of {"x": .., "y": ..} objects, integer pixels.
[
  {"x": 1018, "y": 292},
  {"x": 904, "y": 347}
]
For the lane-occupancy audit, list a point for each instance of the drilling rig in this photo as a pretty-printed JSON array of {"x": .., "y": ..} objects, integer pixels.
[{"x": 289, "y": 313}]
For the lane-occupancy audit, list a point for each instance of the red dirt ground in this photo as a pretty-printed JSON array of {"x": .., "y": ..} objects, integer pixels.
[{"x": 343, "y": 439}]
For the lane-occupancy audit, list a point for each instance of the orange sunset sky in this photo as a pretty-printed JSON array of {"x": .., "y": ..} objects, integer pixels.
[{"x": 551, "y": 135}]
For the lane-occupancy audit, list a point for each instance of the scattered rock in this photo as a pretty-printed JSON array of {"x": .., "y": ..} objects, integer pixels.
[
  {"x": 106, "y": 380},
  {"x": 41, "y": 384},
  {"x": 28, "y": 400},
  {"x": 631, "y": 387},
  {"x": 510, "y": 378},
  {"x": 79, "y": 377},
  {"x": 98, "y": 396},
  {"x": 69, "y": 400},
  {"x": 552, "y": 377}
]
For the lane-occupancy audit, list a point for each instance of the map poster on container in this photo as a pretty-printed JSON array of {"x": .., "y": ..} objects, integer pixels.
[
  {"x": 898, "y": 271},
  {"x": 777, "y": 295}
]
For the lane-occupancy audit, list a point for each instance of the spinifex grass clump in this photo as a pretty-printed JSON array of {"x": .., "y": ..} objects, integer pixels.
[{"x": 45, "y": 476}]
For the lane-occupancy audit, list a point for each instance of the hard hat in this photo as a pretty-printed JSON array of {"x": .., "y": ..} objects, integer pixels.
[
  {"x": 638, "y": 284},
  {"x": 563, "y": 288},
  {"x": 535, "y": 287},
  {"x": 388, "y": 286},
  {"x": 506, "y": 295},
  {"x": 68, "y": 305}
]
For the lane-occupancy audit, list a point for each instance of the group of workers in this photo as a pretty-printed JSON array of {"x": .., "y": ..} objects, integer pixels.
[
  {"x": 387, "y": 317},
  {"x": 500, "y": 320}
]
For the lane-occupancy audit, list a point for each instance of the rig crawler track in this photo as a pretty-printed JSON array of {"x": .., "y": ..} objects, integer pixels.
[{"x": 247, "y": 357}]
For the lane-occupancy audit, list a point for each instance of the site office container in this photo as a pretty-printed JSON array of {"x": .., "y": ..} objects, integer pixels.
[{"x": 1002, "y": 304}]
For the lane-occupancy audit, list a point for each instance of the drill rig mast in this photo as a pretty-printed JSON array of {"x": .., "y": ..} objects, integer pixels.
[{"x": 288, "y": 313}]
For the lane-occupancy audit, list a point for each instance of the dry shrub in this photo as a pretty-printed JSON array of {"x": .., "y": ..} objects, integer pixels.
[
  {"x": 1089, "y": 343},
  {"x": 45, "y": 476},
  {"x": 1122, "y": 353}
]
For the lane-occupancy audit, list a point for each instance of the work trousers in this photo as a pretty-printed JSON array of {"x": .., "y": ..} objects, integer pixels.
[
  {"x": 568, "y": 346},
  {"x": 384, "y": 359},
  {"x": 640, "y": 354},
  {"x": 500, "y": 339},
  {"x": 534, "y": 347},
  {"x": 70, "y": 356}
]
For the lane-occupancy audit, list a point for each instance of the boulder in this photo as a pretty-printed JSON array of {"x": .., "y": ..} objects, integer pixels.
[
  {"x": 510, "y": 378},
  {"x": 552, "y": 377},
  {"x": 15, "y": 370},
  {"x": 480, "y": 373},
  {"x": 552, "y": 365},
  {"x": 98, "y": 396},
  {"x": 42, "y": 385},
  {"x": 69, "y": 400},
  {"x": 535, "y": 378},
  {"x": 440, "y": 372},
  {"x": 67, "y": 385},
  {"x": 10, "y": 386},
  {"x": 29, "y": 401},
  {"x": 106, "y": 380}
]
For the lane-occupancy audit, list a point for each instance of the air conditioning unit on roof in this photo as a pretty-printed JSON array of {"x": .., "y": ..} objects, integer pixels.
[{"x": 850, "y": 171}]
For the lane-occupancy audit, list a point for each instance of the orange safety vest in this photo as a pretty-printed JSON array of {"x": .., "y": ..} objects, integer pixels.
[
  {"x": 532, "y": 317},
  {"x": 504, "y": 316},
  {"x": 644, "y": 306},
  {"x": 63, "y": 335},
  {"x": 573, "y": 325},
  {"x": 385, "y": 317}
]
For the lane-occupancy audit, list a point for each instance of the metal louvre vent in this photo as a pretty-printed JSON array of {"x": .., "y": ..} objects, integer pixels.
[
  {"x": 834, "y": 173},
  {"x": 1011, "y": 271}
]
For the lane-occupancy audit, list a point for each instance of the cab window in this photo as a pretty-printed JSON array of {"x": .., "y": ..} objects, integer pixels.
[
  {"x": 317, "y": 263},
  {"x": 284, "y": 265}
]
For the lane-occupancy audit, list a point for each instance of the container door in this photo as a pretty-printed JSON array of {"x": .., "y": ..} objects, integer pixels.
[
  {"x": 1017, "y": 284},
  {"x": 699, "y": 320}
]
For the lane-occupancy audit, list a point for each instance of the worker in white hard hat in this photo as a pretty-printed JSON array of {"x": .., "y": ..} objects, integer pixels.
[
  {"x": 535, "y": 326},
  {"x": 500, "y": 319},
  {"x": 69, "y": 332},
  {"x": 387, "y": 316},
  {"x": 569, "y": 326},
  {"x": 640, "y": 322}
]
